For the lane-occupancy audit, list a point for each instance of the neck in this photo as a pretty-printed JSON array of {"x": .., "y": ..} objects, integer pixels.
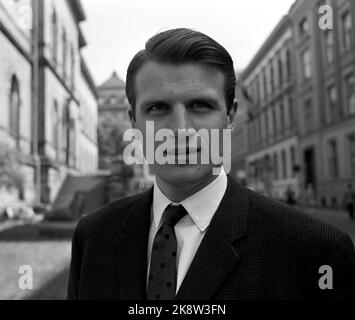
[{"x": 178, "y": 193}]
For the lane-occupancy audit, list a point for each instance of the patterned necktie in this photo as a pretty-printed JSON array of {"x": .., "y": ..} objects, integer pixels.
[{"x": 163, "y": 273}]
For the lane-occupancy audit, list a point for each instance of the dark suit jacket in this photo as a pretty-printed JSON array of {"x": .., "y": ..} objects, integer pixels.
[{"x": 255, "y": 248}]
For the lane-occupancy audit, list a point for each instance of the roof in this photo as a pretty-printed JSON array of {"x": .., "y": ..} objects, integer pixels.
[
  {"x": 281, "y": 27},
  {"x": 113, "y": 83}
]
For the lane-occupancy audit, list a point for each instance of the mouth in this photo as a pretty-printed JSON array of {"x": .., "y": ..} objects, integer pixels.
[{"x": 181, "y": 151}]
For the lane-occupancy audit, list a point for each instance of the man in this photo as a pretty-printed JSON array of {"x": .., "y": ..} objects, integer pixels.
[{"x": 197, "y": 235}]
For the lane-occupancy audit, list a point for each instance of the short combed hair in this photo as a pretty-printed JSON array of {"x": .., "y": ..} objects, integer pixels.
[{"x": 178, "y": 46}]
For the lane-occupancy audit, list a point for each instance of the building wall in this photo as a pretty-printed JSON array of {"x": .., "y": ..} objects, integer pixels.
[
  {"x": 87, "y": 142},
  {"x": 325, "y": 126},
  {"x": 269, "y": 95},
  {"x": 318, "y": 121},
  {"x": 59, "y": 90},
  {"x": 68, "y": 141},
  {"x": 15, "y": 53},
  {"x": 65, "y": 102}
]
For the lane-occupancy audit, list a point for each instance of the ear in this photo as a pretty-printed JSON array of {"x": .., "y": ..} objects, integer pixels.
[
  {"x": 131, "y": 116},
  {"x": 232, "y": 115}
]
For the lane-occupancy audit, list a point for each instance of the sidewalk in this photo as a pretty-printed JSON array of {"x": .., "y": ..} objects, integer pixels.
[{"x": 337, "y": 218}]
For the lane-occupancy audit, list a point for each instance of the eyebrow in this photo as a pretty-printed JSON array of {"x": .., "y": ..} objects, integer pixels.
[{"x": 207, "y": 99}]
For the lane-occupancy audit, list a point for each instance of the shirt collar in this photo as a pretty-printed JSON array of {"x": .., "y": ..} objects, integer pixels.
[{"x": 200, "y": 206}]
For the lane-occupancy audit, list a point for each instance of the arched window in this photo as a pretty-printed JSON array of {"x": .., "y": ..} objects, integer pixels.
[
  {"x": 14, "y": 105},
  {"x": 55, "y": 36}
]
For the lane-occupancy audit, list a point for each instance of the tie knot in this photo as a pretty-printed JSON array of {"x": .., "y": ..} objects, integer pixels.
[{"x": 173, "y": 214}]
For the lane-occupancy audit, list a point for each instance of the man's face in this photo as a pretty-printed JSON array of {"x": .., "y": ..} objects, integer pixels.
[{"x": 186, "y": 96}]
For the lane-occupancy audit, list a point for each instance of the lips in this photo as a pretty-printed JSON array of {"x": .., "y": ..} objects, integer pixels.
[{"x": 182, "y": 151}]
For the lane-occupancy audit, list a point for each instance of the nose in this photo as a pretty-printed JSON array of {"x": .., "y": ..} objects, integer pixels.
[{"x": 180, "y": 119}]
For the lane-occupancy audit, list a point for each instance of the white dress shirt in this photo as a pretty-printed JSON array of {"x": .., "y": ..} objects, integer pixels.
[{"x": 191, "y": 229}]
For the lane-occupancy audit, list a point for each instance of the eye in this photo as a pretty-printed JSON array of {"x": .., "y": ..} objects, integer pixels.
[
  {"x": 200, "y": 106},
  {"x": 157, "y": 108}
]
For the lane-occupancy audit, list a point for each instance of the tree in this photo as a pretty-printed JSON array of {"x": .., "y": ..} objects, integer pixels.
[
  {"x": 110, "y": 140},
  {"x": 10, "y": 173}
]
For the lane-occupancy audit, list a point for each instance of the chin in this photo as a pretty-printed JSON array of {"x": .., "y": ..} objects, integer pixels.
[{"x": 183, "y": 174}]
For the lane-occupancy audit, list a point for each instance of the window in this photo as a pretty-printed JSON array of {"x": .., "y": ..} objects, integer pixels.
[
  {"x": 293, "y": 160},
  {"x": 352, "y": 154},
  {"x": 261, "y": 87},
  {"x": 346, "y": 31},
  {"x": 284, "y": 164},
  {"x": 350, "y": 93},
  {"x": 265, "y": 84},
  {"x": 66, "y": 133},
  {"x": 54, "y": 36},
  {"x": 251, "y": 134},
  {"x": 333, "y": 106},
  {"x": 257, "y": 97},
  {"x": 272, "y": 78},
  {"x": 329, "y": 46},
  {"x": 306, "y": 64},
  {"x": 292, "y": 113},
  {"x": 304, "y": 26},
  {"x": 55, "y": 128},
  {"x": 72, "y": 62},
  {"x": 274, "y": 120},
  {"x": 276, "y": 166},
  {"x": 288, "y": 64},
  {"x": 64, "y": 53},
  {"x": 263, "y": 128},
  {"x": 113, "y": 100},
  {"x": 259, "y": 130},
  {"x": 282, "y": 118},
  {"x": 280, "y": 71},
  {"x": 14, "y": 104},
  {"x": 333, "y": 159},
  {"x": 267, "y": 125},
  {"x": 308, "y": 115}
]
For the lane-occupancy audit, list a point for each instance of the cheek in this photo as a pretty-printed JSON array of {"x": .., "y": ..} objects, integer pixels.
[{"x": 213, "y": 122}]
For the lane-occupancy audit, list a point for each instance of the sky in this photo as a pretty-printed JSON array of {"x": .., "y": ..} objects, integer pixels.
[{"x": 117, "y": 29}]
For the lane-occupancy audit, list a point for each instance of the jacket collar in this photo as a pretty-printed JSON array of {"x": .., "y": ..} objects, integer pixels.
[{"x": 216, "y": 255}]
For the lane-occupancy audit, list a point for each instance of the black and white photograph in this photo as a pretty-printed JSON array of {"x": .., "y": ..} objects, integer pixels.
[{"x": 177, "y": 151}]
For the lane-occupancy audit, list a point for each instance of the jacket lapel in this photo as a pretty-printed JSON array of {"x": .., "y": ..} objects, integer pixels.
[
  {"x": 216, "y": 256},
  {"x": 132, "y": 250}
]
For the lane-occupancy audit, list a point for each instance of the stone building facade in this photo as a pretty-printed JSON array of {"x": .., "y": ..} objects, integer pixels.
[
  {"x": 326, "y": 94},
  {"x": 15, "y": 97},
  {"x": 306, "y": 134},
  {"x": 270, "y": 86},
  {"x": 47, "y": 95}
]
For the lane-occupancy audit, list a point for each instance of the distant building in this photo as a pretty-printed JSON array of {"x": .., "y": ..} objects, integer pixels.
[
  {"x": 301, "y": 101},
  {"x": 269, "y": 89},
  {"x": 113, "y": 122},
  {"x": 113, "y": 119},
  {"x": 48, "y": 100},
  {"x": 326, "y": 98}
]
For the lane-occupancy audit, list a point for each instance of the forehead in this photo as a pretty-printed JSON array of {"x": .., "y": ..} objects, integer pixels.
[{"x": 163, "y": 81}]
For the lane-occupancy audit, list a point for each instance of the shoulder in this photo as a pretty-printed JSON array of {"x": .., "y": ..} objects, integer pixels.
[
  {"x": 288, "y": 223},
  {"x": 108, "y": 217}
]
